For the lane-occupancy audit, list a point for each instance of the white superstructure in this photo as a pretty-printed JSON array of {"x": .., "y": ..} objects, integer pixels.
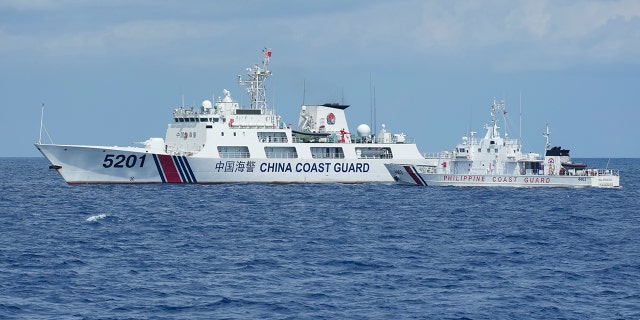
[
  {"x": 223, "y": 142},
  {"x": 494, "y": 160}
]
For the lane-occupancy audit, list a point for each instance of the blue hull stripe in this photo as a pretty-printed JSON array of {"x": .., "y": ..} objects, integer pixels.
[
  {"x": 188, "y": 169},
  {"x": 184, "y": 169},
  {"x": 176, "y": 160},
  {"x": 155, "y": 158},
  {"x": 186, "y": 178},
  {"x": 419, "y": 176}
]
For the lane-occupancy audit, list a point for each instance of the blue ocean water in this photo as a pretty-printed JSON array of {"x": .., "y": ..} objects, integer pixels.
[{"x": 245, "y": 251}]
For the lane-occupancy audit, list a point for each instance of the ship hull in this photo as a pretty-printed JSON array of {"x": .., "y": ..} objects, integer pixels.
[
  {"x": 127, "y": 165},
  {"x": 411, "y": 175}
]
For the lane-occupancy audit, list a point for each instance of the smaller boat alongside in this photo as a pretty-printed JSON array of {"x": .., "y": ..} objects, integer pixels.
[{"x": 499, "y": 161}]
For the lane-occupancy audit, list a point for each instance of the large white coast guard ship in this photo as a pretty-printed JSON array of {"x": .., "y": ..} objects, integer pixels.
[
  {"x": 497, "y": 161},
  {"x": 223, "y": 142}
]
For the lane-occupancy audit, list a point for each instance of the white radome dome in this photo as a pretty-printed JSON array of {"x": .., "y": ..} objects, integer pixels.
[
  {"x": 364, "y": 130},
  {"x": 206, "y": 104}
]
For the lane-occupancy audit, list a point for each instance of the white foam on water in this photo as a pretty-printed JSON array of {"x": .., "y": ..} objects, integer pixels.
[{"x": 96, "y": 217}]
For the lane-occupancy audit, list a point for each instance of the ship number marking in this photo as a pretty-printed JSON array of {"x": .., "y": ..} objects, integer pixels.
[{"x": 121, "y": 161}]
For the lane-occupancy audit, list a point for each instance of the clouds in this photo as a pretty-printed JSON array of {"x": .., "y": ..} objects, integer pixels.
[
  {"x": 21, "y": 5},
  {"x": 526, "y": 34},
  {"x": 431, "y": 59},
  {"x": 534, "y": 34},
  {"x": 533, "y": 16},
  {"x": 601, "y": 32}
]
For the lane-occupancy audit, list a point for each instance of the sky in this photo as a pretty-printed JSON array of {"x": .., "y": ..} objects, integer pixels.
[{"x": 111, "y": 72}]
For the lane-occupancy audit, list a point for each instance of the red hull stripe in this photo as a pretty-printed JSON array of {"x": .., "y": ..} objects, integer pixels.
[
  {"x": 169, "y": 168},
  {"x": 415, "y": 177}
]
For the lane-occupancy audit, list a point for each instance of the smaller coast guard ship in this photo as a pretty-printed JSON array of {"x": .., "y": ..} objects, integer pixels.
[
  {"x": 223, "y": 142},
  {"x": 496, "y": 161}
]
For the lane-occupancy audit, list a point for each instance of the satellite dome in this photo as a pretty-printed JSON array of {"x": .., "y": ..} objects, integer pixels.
[
  {"x": 206, "y": 104},
  {"x": 364, "y": 130}
]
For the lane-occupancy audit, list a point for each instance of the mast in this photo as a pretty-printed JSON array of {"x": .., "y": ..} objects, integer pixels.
[
  {"x": 520, "y": 124},
  {"x": 504, "y": 118},
  {"x": 495, "y": 107},
  {"x": 546, "y": 134},
  {"x": 255, "y": 82},
  {"x": 374, "y": 108},
  {"x": 372, "y": 103},
  {"x": 304, "y": 90},
  {"x": 41, "y": 124}
]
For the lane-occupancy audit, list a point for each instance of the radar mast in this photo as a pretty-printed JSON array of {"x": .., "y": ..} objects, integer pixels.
[{"x": 254, "y": 82}]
